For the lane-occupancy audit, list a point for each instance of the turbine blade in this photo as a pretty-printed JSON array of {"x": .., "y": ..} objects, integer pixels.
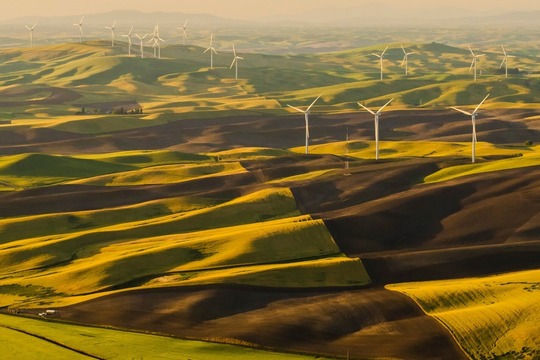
[
  {"x": 504, "y": 52},
  {"x": 478, "y": 107},
  {"x": 404, "y": 59},
  {"x": 234, "y": 51},
  {"x": 504, "y": 60},
  {"x": 295, "y": 108},
  {"x": 377, "y": 55},
  {"x": 313, "y": 103},
  {"x": 461, "y": 111},
  {"x": 384, "y": 51},
  {"x": 402, "y": 48},
  {"x": 470, "y": 50},
  {"x": 232, "y": 64},
  {"x": 27, "y": 27},
  {"x": 381, "y": 109},
  {"x": 368, "y": 110},
  {"x": 472, "y": 64},
  {"x": 214, "y": 50},
  {"x": 185, "y": 24}
]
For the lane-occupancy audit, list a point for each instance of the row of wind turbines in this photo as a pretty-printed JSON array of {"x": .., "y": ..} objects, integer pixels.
[
  {"x": 405, "y": 61},
  {"x": 155, "y": 40},
  {"x": 378, "y": 113}
]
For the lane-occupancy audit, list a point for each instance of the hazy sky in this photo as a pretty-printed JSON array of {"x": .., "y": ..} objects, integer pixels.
[{"x": 245, "y": 9}]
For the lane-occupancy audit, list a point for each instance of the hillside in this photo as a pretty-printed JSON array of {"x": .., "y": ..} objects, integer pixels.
[{"x": 202, "y": 218}]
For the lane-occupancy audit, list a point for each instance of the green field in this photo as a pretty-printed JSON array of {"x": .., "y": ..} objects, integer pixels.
[
  {"x": 493, "y": 317},
  {"x": 29, "y": 339}
]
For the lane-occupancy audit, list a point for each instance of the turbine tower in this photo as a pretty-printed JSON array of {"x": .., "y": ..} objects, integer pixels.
[
  {"x": 235, "y": 62},
  {"x": 31, "y": 29},
  {"x": 112, "y": 32},
  {"x": 505, "y": 61},
  {"x": 212, "y": 51},
  {"x": 306, "y": 117},
  {"x": 141, "y": 44},
  {"x": 80, "y": 25},
  {"x": 184, "y": 33},
  {"x": 129, "y": 40},
  {"x": 406, "y": 60},
  {"x": 156, "y": 39},
  {"x": 473, "y": 117},
  {"x": 381, "y": 60},
  {"x": 474, "y": 61},
  {"x": 376, "y": 114}
]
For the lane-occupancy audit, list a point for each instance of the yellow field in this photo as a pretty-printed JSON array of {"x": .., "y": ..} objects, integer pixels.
[{"x": 491, "y": 317}]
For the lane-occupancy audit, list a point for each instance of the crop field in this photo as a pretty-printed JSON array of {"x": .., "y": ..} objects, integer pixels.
[
  {"x": 35, "y": 339},
  {"x": 166, "y": 197},
  {"x": 492, "y": 317}
]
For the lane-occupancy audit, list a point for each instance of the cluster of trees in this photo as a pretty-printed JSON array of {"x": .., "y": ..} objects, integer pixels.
[{"x": 118, "y": 111}]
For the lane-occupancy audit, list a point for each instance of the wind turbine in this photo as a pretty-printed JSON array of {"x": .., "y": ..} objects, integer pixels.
[
  {"x": 81, "y": 34},
  {"x": 156, "y": 39},
  {"x": 474, "y": 61},
  {"x": 505, "y": 61},
  {"x": 235, "y": 61},
  {"x": 31, "y": 29},
  {"x": 141, "y": 43},
  {"x": 381, "y": 60},
  {"x": 306, "y": 117},
  {"x": 184, "y": 33},
  {"x": 406, "y": 60},
  {"x": 473, "y": 117},
  {"x": 212, "y": 51},
  {"x": 376, "y": 114},
  {"x": 112, "y": 32},
  {"x": 129, "y": 40}
]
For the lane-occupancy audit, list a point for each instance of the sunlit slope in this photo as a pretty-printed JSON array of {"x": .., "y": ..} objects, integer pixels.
[
  {"x": 30, "y": 170},
  {"x": 491, "y": 317},
  {"x": 404, "y": 149},
  {"x": 51, "y": 82},
  {"x": 30, "y": 339},
  {"x": 258, "y": 239}
]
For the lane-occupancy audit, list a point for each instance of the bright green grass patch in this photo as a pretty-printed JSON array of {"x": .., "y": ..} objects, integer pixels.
[
  {"x": 491, "y": 317},
  {"x": 453, "y": 172},
  {"x": 48, "y": 225},
  {"x": 31, "y": 170},
  {"x": 403, "y": 149},
  {"x": 165, "y": 174},
  {"x": 144, "y": 158},
  {"x": 111, "y": 344}
]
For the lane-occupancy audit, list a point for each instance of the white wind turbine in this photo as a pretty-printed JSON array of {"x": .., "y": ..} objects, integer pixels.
[
  {"x": 235, "y": 61},
  {"x": 376, "y": 114},
  {"x": 128, "y": 36},
  {"x": 212, "y": 51},
  {"x": 184, "y": 32},
  {"x": 306, "y": 117},
  {"x": 112, "y": 32},
  {"x": 406, "y": 59},
  {"x": 473, "y": 117},
  {"x": 80, "y": 25},
  {"x": 31, "y": 29},
  {"x": 156, "y": 39},
  {"x": 474, "y": 61},
  {"x": 505, "y": 61},
  {"x": 141, "y": 44},
  {"x": 381, "y": 60}
]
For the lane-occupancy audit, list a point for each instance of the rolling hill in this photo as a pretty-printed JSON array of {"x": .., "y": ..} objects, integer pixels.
[{"x": 202, "y": 218}]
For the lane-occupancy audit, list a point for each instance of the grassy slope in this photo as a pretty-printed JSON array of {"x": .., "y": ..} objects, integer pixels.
[
  {"x": 110, "y": 344},
  {"x": 181, "y": 85},
  {"x": 491, "y": 317},
  {"x": 97, "y": 250}
]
